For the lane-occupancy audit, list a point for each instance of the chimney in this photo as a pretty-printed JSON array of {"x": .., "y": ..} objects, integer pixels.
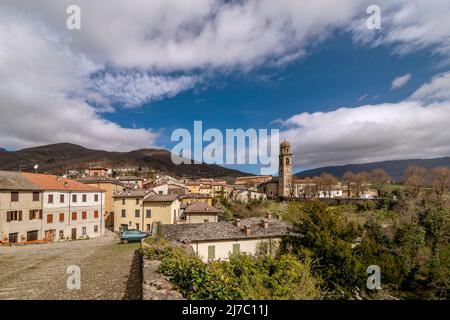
[
  {"x": 269, "y": 215},
  {"x": 58, "y": 178},
  {"x": 237, "y": 222},
  {"x": 265, "y": 223},
  {"x": 247, "y": 230},
  {"x": 66, "y": 184}
]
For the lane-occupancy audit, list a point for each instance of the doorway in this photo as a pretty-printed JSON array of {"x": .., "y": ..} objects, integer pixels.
[{"x": 74, "y": 233}]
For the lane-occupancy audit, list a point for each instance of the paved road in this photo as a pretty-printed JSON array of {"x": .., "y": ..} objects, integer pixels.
[{"x": 109, "y": 270}]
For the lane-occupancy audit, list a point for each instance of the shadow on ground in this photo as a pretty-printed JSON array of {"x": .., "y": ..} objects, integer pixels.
[{"x": 134, "y": 284}]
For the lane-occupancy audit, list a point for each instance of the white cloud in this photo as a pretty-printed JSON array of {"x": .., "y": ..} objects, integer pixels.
[
  {"x": 409, "y": 25},
  {"x": 132, "y": 89},
  {"x": 35, "y": 103},
  {"x": 45, "y": 68},
  {"x": 437, "y": 90},
  {"x": 400, "y": 81},
  {"x": 413, "y": 128}
]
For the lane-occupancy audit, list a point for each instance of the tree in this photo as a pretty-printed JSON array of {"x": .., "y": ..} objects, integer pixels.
[
  {"x": 441, "y": 179},
  {"x": 348, "y": 179},
  {"x": 361, "y": 182},
  {"x": 415, "y": 178},
  {"x": 379, "y": 177},
  {"x": 328, "y": 182}
]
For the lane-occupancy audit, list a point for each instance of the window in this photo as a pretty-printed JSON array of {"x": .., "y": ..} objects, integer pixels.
[
  {"x": 137, "y": 201},
  {"x": 137, "y": 226},
  {"x": 148, "y": 213},
  {"x": 236, "y": 248},
  {"x": 211, "y": 252},
  {"x": 50, "y": 218},
  {"x": 61, "y": 234},
  {"x": 13, "y": 216},
  {"x": 74, "y": 198},
  {"x": 33, "y": 214},
  {"x": 35, "y": 196},
  {"x": 95, "y": 228},
  {"x": 160, "y": 192},
  {"x": 74, "y": 216},
  {"x": 137, "y": 213},
  {"x": 95, "y": 214},
  {"x": 84, "y": 231},
  {"x": 124, "y": 213},
  {"x": 61, "y": 217},
  {"x": 96, "y": 197},
  {"x": 84, "y": 215},
  {"x": 61, "y": 198},
  {"x": 123, "y": 202},
  {"x": 50, "y": 198},
  {"x": 14, "y": 196},
  {"x": 84, "y": 198},
  {"x": 148, "y": 227},
  {"x": 287, "y": 160}
]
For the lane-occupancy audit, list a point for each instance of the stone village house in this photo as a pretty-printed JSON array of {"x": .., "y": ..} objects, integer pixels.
[{"x": 217, "y": 240}]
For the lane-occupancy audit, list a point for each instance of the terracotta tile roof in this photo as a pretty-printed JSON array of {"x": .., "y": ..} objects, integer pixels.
[
  {"x": 161, "y": 197},
  {"x": 132, "y": 193},
  {"x": 10, "y": 180},
  {"x": 51, "y": 182},
  {"x": 201, "y": 207},
  {"x": 99, "y": 180}
]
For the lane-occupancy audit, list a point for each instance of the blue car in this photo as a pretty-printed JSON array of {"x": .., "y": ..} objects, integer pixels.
[{"x": 132, "y": 235}]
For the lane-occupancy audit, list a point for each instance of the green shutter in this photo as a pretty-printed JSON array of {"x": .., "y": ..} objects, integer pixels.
[
  {"x": 236, "y": 248},
  {"x": 211, "y": 252}
]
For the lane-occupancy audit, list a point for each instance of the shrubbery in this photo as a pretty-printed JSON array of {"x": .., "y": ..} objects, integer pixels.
[{"x": 242, "y": 277}]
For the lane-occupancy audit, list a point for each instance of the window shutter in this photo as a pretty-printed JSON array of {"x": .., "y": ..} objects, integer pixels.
[
  {"x": 30, "y": 215},
  {"x": 40, "y": 214},
  {"x": 8, "y": 216},
  {"x": 20, "y": 215},
  {"x": 211, "y": 252}
]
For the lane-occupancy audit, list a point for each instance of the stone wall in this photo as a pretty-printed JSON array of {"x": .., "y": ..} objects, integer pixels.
[{"x": 156, "y": 286}]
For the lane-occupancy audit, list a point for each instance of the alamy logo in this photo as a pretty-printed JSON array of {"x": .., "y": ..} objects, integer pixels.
[
  {"x": 74, "y": 280},
  {"x": 374, "y": 21},
  {"x": 374, "y": 279},
  {"x": 73, "y": 21},
  {"x": 236, "y": 146}
]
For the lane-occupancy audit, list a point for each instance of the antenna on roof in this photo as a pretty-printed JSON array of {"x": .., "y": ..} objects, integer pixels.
[{"x": 36, "y": 167}]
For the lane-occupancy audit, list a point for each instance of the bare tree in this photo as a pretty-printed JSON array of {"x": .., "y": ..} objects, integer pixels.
[
  {"x": 415, "y": 178},
  {"x": 348, "y": 179},
  {"x": 328, "y": 182},
  {"x": 441, "y": 179},
  {"x": 379, "y": 177},
  {"x": 361, "y": 183}
]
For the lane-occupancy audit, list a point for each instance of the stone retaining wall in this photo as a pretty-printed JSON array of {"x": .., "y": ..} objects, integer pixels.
[{"x": 156, "y": 286}]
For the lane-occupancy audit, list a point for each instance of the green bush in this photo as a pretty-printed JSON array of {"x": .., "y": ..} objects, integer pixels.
[{"x": 241, "y": 278}]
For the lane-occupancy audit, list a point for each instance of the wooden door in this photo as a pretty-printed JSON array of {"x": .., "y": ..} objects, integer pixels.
[{"x": 74, "y": 233}]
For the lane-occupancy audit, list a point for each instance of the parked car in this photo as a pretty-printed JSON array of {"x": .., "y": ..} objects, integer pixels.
[{"x": 133, "y": 235}]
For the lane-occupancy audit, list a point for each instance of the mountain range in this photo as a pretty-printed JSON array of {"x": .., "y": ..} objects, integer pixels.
[
  {"x": 395, "y": 168},
  {"x": 57, "y": 158}
]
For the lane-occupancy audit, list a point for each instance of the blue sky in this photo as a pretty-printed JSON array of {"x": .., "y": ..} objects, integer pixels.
[
  {"x": 335, "y": 73},
  {"x": 338, "y": 91}
]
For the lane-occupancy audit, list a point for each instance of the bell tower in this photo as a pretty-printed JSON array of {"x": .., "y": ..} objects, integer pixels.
[{"x": 285, "y": 170}]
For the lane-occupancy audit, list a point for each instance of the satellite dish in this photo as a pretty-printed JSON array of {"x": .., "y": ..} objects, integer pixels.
[
  {"x": 135, "y": 187},
  {"x": 36, "y": 166},
  {"x": 109, "y": 172},
  {"x": 65, "y": 176}
]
